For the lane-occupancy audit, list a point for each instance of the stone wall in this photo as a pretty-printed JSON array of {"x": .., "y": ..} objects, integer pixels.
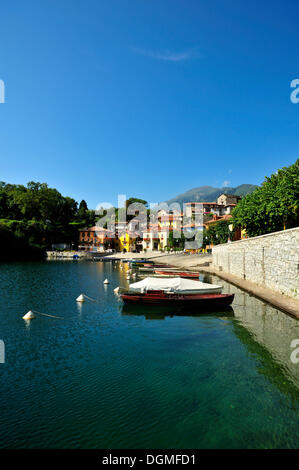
[{"x": 269, "y": 260}]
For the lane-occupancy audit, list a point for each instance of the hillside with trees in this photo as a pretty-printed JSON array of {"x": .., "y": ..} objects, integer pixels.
[{"x": 33, "y": 217}]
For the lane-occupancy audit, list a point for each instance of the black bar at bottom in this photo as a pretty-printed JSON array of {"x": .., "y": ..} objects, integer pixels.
[{"x": 103, "y": 458}]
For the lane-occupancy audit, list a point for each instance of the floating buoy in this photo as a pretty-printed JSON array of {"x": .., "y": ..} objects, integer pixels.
[
  {"x": 29, "y": 315},
  {"x": 116, "y": 290},
  {"x": 83, "y": 298},
  {"x": 106, "y": 281}
]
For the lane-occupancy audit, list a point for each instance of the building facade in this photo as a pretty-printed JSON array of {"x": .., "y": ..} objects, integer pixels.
[
  {"x": 95, "y": 239},
  {"x": 227, "y": 199}
]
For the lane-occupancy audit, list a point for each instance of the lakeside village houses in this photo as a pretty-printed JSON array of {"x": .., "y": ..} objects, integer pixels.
[{"x": 155, "y": 236}]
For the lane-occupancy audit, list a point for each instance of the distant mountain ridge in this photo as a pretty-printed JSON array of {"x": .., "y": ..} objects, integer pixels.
[{"x": 210, "y": 194}]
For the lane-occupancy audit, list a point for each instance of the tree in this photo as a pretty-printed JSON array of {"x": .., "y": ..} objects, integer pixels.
[
  {"x": 175, "y": 243},
  {"x": 273, "y": 206},
  {"x": 131, "y": 200},
  {"x": 36, "y": 216},
  {"x": 82, "y": 210},
  {"x": 137, "y": 205}
]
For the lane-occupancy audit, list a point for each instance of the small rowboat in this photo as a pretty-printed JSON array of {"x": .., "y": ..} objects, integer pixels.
[
  {"x": 164, "y": 267},
  {"x": 174, "y": 285},
  {"x": 177, "y": 292},
  {"x": 140, "y": 262},
  {"x": 200, "y": 301},
  {"x": 153, "y": 267},
  {"x": 187, "y": 275}
]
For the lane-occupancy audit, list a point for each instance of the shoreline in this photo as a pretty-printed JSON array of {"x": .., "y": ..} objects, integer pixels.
[
  {"x": 203, "y": 264},
  {"x": 286, "y": 304}
]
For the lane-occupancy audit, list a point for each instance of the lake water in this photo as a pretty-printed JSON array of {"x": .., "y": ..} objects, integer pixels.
[{"x": 104, "y": 377}]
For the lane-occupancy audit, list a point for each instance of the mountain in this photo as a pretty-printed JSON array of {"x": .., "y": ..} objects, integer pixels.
[{"x": 210, "y": 194}]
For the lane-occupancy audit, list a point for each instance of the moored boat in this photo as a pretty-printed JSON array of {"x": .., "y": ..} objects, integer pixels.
[
  {"x": 185, "y": 274},
  {"x": 177, "y": 292},
  {"x": 140, "y": 262},
  {"x": 202, "y": 301},
  {"x": 165, "y": 267},
  {"x": 174, "y": 285}
]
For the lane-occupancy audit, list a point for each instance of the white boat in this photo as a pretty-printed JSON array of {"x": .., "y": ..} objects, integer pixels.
[{"x": 175, "y": 285}]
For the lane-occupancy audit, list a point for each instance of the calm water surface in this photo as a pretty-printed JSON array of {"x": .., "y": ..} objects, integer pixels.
[{"x": 104, "y": 377}]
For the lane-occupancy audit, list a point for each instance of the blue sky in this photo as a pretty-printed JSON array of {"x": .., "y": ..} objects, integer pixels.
[{"x": 147, "y": 98}]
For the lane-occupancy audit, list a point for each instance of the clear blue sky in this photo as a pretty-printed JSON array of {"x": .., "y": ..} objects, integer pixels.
[{"x": 147, "y": 98}]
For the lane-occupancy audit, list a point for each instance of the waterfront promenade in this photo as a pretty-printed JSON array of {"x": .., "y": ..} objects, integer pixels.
[{"x": 203, "y": 263}]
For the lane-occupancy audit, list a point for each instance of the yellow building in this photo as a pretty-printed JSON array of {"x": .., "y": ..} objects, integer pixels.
[{"x": 127, "y": 241}]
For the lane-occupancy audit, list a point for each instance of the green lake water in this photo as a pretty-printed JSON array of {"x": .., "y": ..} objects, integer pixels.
[{"x": 108, "y": 377}]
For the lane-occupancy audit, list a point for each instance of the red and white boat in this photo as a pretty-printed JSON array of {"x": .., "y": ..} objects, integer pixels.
[
  {"x": 185, "y": 274},
  {"x": 177, "y": 292}
]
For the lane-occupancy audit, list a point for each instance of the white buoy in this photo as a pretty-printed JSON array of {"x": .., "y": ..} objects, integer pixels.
[
  {"x": 29, "y": 315},
  {"x": 106, "y": 281},
  {"x": 116, "y": 290},
  {"x": 80, "y": 298}
]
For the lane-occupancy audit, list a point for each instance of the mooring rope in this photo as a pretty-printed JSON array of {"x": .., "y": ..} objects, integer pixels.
[
  {"x": 46, "y": 314},
  {"x": 90, "y": 298}
]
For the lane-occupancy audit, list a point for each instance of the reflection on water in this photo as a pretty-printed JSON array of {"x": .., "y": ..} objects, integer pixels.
[
  {"x": 256, "y": 324},
  {"x": 271, "y": 328},
  {"x": 115, "y": 376},
  {"x": 161, "y": 312}
]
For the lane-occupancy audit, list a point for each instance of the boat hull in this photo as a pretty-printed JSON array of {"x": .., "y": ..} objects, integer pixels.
[
  {"x": 200, "y": 301},
  {"x": 187, "y": 275}
]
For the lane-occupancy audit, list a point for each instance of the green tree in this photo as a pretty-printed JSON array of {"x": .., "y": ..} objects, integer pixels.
[
  {"x": 273, "y": 206},
  {"x": 36, "y": 216},
  {"x": 131, "y": 200}
]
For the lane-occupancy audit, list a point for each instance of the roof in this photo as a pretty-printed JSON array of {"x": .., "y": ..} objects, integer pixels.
[
  {"x": 94, "y": 229},
  {"x": 223, "y": 217}
]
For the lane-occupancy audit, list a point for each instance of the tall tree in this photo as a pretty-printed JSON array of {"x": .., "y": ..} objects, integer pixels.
[{"x": 273, "y": 206}]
